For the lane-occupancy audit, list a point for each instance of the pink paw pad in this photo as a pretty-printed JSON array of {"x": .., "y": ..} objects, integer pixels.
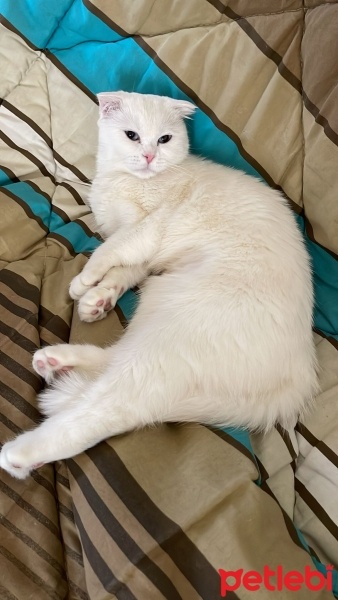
[
  {"x": 40, "y": 364},
  {"x": 52, "y": 362},
  {"x": 107, "y": 306},
  {"x": 99, "y": 302},
  {"x": 94, "y": 312}
]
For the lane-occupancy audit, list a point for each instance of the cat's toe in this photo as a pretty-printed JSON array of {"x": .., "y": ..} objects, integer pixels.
[
  {"x": 14, "y": 462},
  {"x": 79, "y": 286},
  {"x": 96, "y": 303},
  {"x": 48, "y": 362}
]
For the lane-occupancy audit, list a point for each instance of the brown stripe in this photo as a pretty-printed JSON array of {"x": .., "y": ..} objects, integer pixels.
[
  {"x": 29, "y": 509},
  {"x": 233, "y": 442},
  {"x": 287, "y": 441},
  {"x": 314, "y": 110},
  {"x": 319, "y": 444},
  {"x": 74, "y": 193},
  {"x": 11, "y": 27},
  {"x": 262, "y": 470},
  {"x": 28, "y": 541},
  {"x": 17, "y": 338},
  {"x": 103, "y": 572},
  {"x": 78, "y": 593},
  {"x": 74, "y": 555},
  {"x": 20, "y": 371},
  {"x": 20, "y": 403},
  {"x": 66, "y": 512},
  {"x": 9, "y": 424},
  {"x": 28, "y": 155},
  {"x": 329, "y": 338},
  {"x": 86, "y": 229},
  {"x": 45, "y": 483},
  {"x": 311, "y": 235},
  {"x": 30, "y": 574},
  {"x": 61, "y": 213},
  {"x": 20, "y": 286},
  {"x": 70, "y": 76},
  {"x": 189, "y": 92},
  {"x": 168, "y": 534},
  {"x": 128, "y": 546},
  {"x": 260, "y": 43},
  {"x": 18, "y": 311},
  {"x": 54, "y": 324},
  {"x": 24, "y": 207},
  {"x": 6, "y": 595},
  {"x": 120, "y": 316},
  {"x": 72, "y": 168},
  {"x": 63, "y": 241},
  {"x": 18, "y": 113},
  {"x": 62, "y": 480},
  {"x": 278, "y": 60},
  {"x": 288, "y": 522},
  {"x": 316, "y": 508}
]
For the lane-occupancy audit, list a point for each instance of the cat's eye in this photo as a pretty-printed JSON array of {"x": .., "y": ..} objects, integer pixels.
[
  {"x": 133, "y": 136},
  {"x": 164, "y": 139}
]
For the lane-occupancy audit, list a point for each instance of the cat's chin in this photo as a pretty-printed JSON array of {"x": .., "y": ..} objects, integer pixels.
[{"x": 145, "y": 173}]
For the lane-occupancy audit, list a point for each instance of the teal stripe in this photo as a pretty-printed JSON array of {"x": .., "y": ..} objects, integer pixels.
[
  {"x": 325, "y": 280},
  {"x": 35, "y": 19},
  {"x": 128, "y": 303},
  {"x": 74, "y": 233},
  {"x": 41, "y": 207}
]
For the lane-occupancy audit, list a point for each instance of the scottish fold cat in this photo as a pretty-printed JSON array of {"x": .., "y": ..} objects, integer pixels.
[{"x": 222, "y": 333}]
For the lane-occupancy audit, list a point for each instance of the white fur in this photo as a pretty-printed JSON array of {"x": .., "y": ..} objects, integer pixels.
[{"x": 223, "y": 336}]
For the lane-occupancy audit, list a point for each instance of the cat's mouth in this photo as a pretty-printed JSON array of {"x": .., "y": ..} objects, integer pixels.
[{"x": 145, "y": 171}]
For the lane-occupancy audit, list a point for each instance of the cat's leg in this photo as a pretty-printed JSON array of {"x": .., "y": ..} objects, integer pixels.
[
  {"x": 55, "y": 360},
  {"x": 134, "y": 247},
  {"x": 97, "y": 301}
]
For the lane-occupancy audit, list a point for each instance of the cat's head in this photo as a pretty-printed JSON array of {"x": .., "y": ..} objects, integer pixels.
[{"x": 142, "y": 134}]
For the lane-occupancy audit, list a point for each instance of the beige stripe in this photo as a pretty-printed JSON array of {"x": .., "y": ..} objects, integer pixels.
[
  {"x": 11, "y": 295},
  {"x": 161, "y": 17},
  {"x": 14, "y": 219},
  {"x": 320, "y": 183},
  {"x": 219, "y": 480},
  {"x": 133, "y": 527},
  {"x": 21, "y": 326},
  {"x": 111, "y": 553},
  {"x": 75, "y": 571},
  {"x": 315, "y": 532},
  {"x": 275, "y": 458},
  {"x": 259, "y": 105}
]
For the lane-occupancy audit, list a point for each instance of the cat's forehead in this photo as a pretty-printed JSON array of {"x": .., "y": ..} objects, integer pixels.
[{"x": 149, "y": 114}]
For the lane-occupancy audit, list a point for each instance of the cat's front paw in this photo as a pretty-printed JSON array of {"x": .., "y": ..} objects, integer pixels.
[
  {"x": 82, "y": 283},
  {"x": 14, "y": 458},
  {"x": 52, "y": 360},
  {"x": 95, "y": 304}
]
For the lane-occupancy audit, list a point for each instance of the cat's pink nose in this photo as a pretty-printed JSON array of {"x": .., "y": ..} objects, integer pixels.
[{"x": 149, "y": 157}]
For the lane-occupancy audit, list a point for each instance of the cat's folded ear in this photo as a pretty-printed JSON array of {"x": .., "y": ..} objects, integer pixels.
[
  {"x": 109, "y": 103},
  {"x": 183, "y": 107}
]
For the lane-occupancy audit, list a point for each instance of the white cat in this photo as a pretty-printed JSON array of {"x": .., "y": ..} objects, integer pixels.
[{"x": 223, "y": 336}]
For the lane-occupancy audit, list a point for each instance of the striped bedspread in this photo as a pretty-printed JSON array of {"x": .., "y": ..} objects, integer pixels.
[{"x": 157, "y": 513}]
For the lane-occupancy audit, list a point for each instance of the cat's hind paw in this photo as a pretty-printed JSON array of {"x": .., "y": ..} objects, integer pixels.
[
  {"x": 52, "y": 360},
  {"x": 96, "y": 303}
]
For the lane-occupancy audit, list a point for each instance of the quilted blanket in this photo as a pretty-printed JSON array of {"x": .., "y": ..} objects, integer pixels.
[{"x": 167, "y": 512}]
